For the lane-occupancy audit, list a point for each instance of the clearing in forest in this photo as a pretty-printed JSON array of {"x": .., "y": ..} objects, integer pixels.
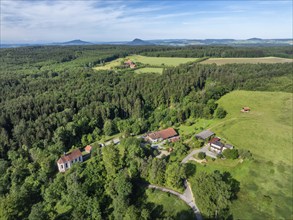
[
  {"x": 150, "y": 64},
  {"x": 161, "y": 61},
  {"x": 222, "y": 61}
]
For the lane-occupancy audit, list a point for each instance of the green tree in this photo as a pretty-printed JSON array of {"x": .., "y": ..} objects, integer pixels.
[
  {"x": 201, "y": 155},
  {"x": 157, "y": 171},
  {"x": 221, "y": 112},
  {"x": 109, "y": 128},
  {"x": 175, "y": 175},
  {"x": 111, "y": 160},
  {"x": 38, "y": 212},
  {"x": 214, "y": 193}
]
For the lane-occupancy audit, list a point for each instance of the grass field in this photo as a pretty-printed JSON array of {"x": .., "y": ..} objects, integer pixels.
[
  {"x": 168, "y": 205},
  {"x": 149, "y": 70},
  {"x": 222, "y": 61},
  {"x": 152, "y": 61},
  {"x": 109, "y": 65},
  {"x": 265, "y": 182},
  {"x": 161, "y": 61}
]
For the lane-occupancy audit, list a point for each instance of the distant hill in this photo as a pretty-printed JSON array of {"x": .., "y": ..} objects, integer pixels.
[
  {"x": 138, "y": 42},
  {"x": 74, "y": 42},
  {"x": 252, "y": 42}
]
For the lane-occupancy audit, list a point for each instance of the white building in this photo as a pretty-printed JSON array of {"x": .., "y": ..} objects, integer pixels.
[{"x": 66, "y": 161}]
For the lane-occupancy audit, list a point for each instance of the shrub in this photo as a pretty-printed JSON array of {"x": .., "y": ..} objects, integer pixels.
[
  {"x": 201, "y": 155},
  {"x": 245, "y": 154},
  {"x": 221, "y": 112}
]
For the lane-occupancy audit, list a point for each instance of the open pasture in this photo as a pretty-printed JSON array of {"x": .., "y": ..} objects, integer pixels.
[
  {"x": 266, "y": 131},
  {"x": 222, "y": 61}
]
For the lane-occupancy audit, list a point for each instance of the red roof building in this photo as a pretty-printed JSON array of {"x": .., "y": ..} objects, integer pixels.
[
  {"x": 67, "y": 160},
  {"x": 130, "y": 64},
  {"x": 88, "y": 148},
  {"x": 168, "y": 133},
  {"x": 213, "y": 140}
]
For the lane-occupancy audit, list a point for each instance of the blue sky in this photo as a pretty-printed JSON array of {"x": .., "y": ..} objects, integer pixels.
[{"x": 24, "y": 21}]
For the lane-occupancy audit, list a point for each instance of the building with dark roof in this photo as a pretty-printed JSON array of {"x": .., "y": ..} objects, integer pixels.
[
  {"x": 66, "y": 161},
  {"x": 204, "y": 135}
]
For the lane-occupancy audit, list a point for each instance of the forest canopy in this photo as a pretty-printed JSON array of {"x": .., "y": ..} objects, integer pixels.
[{"x": 51, "y": 101}]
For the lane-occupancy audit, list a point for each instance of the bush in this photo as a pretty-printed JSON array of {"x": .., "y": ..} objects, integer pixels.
[
  {"x": 245, "y": 154},
  {"x": 221, "y": 112},
  {"x": 201, "y": 155},
  {"x": 231, "y": 153}
]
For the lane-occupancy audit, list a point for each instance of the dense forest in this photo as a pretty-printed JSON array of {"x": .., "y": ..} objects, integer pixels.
[{"x": 51, "y": 100}]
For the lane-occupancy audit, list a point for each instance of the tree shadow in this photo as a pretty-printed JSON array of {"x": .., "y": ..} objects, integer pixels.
[
  {"x": 235, "y": 185},
  {"x": 190, "y": 169}
]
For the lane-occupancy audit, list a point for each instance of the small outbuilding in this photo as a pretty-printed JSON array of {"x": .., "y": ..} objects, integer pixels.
[
  {"x": 88, "y": 149},
  {"x": 205, "y": 135},
  {"x": 245, "y": 109}
]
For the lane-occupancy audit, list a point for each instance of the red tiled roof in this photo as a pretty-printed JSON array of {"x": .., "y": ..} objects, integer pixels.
[
  {"x": 129, "y": 62},
  {"x": 70, "y": 157},
  {"x": 164, "y": 134},
  {"x": 214, "y": 140},
  {"x": 88, "y": 148}
]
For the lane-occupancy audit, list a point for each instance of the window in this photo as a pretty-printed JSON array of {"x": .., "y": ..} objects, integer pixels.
[
  {"x": 61, "y": 166},
  {"x": 66, "y": 166}
]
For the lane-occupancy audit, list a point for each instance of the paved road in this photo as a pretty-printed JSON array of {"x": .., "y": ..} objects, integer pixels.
[
  {"x": 204, "y": 149},
  {"x": 187, "y": 197}
]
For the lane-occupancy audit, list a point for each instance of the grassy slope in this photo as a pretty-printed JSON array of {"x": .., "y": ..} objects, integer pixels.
[
  {"x": 168, "y": 204},
  {"x": 222, "y": 61},
  {"x": 109, "y": 65},
  {"x": 267, "y": 132}
]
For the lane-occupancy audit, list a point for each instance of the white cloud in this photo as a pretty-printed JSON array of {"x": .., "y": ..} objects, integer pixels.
[{"x": 60, "y": 20}]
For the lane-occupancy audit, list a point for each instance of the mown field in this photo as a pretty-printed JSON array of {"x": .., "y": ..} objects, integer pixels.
[
  {"x": 222, "y": 61},
  {"x": 149, "y": 61},
  {"x": 266, "y": 181},
  {"x": 168, "y": 205},
  {"x": 109, "y": 65},
  {"x": 161, "y": 61}
]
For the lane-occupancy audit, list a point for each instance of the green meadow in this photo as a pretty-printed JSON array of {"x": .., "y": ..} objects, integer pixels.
[{"x": 265, "y": 181}]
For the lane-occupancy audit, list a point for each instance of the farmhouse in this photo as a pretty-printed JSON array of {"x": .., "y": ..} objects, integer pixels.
[
  {"x": 217, "y": 146},
  {"x": 66, "y": 161},
  {"x": 245, "y": 109},
  {"x": 166, "y": 134},
  {"x": 130, "y": 64},
  {"x": 204, "y": 135}
]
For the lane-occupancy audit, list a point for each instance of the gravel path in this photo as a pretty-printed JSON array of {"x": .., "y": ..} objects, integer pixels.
[{"x": 187, "y": 197}]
